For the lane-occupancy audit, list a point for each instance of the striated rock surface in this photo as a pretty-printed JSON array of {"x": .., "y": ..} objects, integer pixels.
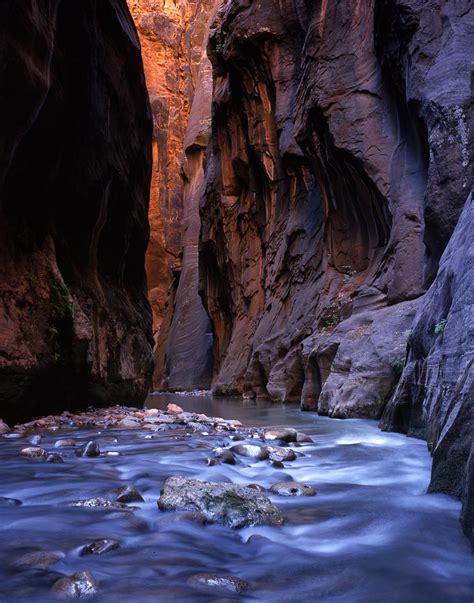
[
  {"x": 435, "y": 396},
  {"x": 75, "y": 165},
  {"x": 179, "y": 79},
  {"x": 338, "y": 166}
]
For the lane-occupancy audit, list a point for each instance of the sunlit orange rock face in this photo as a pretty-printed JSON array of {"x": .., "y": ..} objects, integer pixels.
[{"x": 173, "y": 35}]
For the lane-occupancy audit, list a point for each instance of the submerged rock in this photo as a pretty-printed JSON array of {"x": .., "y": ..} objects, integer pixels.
[
  {"x": 102, "y": 503},
  {"x": 128, "y": 494},
  {"x": 231, "y": 505},
  {"x": 78, "y": 586},
  {"x": 54, "y": 457},
  {"x": 251, "y": 450},
  {"x": 33, "y": 452},
  {"x": 5, "y": 501},
  {"x": 39, "y": 559},
  {"x": 91, "y": 449},
  {"x": 292, "y": 489},
  {"x": 225, "y": 456},
  {"x": 302, "y": 438},
  {"x": 99, "y": 547},
  {"x": 35, "y": 440},
  {"x": 284, "y": 434},
  {"x": 215, "y": 581}
]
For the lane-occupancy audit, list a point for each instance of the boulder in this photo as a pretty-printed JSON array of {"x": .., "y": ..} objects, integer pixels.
[{"x": 228, "y": 504}]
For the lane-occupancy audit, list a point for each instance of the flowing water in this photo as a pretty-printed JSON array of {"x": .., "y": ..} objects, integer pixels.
[{"x": 371, "y": 534}]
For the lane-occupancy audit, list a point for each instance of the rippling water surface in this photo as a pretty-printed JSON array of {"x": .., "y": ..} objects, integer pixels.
[{"x": 370, "y": 535}]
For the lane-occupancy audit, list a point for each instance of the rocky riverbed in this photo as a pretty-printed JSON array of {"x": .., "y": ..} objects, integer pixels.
[{"x": 152, "y": 505}]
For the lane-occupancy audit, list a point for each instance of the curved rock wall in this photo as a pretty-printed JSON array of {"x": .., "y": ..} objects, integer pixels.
[
  {"x": 339, "y": 164},
  {"x": 75, "y": 167}
]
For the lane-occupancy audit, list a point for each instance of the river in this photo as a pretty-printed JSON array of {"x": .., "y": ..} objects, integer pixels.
[{"x": 371, "y": 534}]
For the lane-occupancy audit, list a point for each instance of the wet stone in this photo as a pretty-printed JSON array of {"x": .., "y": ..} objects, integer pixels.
[
  {"x": 174, "y": 409},
  {"x": 99, "y": 547},
  {"x": 78, "y": 586},
  {"x": 211, "y": 462},
  {"x": 65, "y": 443},
  {"x": 215, "y": 581},
  {"x": 101, "y": 503},
  {"x": 292, "y": 489},
  {"x": 41, "y": 560},
  {"x": 9, "y": 502},
  {"x": 225, "y": 456},
  {"x": 251, "y": 451},
  {"x": 128, "y": 494},
  {"x": 4, "y": 427},
  {"x": 284, "y": 434},
  {"x": 54, "y": 457},
  {"x": 302, "y": 438},
  {"x": 91, "y": 449},
  {"x": 278, "y": 465},
  {"x": 228, "y": 504},
  {"x": 276, "y": 453},
  {"x": 33, "y": 452}
]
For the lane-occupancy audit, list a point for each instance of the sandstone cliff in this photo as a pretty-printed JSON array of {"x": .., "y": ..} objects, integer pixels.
[
  {"x": 75, "y": 323},
  {"x": 338, "y": 168}
]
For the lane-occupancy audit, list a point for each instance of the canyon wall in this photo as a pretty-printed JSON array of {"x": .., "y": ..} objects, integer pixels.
[
  {"x": 173, "y": 35},
  {"x": 75, "y": 166},
  {"x": 339, "y": 164}
]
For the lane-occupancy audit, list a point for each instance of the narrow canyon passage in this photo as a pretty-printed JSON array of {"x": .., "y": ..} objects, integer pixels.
[{"x": 247, "y": 209}]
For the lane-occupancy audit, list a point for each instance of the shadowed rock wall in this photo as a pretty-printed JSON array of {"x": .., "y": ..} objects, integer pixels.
[
  {"x": 75, "y": 323},
  {"x": 435, "y": 396}
]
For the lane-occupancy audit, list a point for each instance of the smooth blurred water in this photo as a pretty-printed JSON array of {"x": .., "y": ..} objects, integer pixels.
[{"x": 370, "y": 535}]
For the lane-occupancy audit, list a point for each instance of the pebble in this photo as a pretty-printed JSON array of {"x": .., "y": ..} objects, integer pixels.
[
  {"x": 91, "y": 449},
  {"x": 251, "y": 450},
  {"x": 284, "y": 434},
  {"x": 128, "y": 494},
  {"x": 54, "y": 457},
  {"x": 78, "y": 586},
  {"x": 101, "y": 503},
  {"x": 302, "y": 438},
  {"x": 276, "y": 453},
  {"x": 33, "y": 452},
  {"x": 5, "y": 501},
  {"x": 99, "y": 547},
  {"x": 174, "y": 409},
  {"x": 4, "y": 427},
  {"x": 216, "y": 581},
  {"x": 65, "y": 443},
  {"x": 225, "y": 456},
  {"x": 292, "y": 489}
]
